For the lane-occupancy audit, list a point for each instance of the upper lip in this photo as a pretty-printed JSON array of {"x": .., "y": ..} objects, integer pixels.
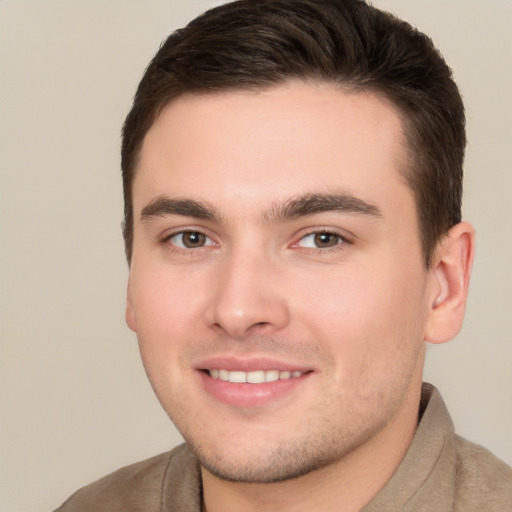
[{"x": 249, "y": 364}]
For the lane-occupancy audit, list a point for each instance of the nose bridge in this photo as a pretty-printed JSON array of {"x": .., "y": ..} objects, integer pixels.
[{"x": 247, "y": 295}]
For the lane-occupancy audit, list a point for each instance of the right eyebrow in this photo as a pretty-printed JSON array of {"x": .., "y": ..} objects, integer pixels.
[{"x": 162, "y": 205}]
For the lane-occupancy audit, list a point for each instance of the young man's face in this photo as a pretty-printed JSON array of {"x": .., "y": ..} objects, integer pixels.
[{"x": 275, "y": 238}]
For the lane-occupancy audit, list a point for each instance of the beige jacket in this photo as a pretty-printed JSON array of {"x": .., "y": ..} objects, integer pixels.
[{"x": 441, "y": 472}]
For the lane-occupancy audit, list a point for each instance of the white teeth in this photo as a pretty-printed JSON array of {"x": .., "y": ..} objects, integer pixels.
[
  {"x": 255, "y": 377},
  {"x": 237, "y": 377},
  {"x": 272, "y": 375}
]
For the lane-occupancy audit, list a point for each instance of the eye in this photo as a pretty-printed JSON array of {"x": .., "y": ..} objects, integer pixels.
[
  {"x": 190, "y": 240},
  {"x": 321, "y": 240}
]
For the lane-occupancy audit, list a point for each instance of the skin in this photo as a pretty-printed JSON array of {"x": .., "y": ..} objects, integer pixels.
[{"x": 246, "y": 278}]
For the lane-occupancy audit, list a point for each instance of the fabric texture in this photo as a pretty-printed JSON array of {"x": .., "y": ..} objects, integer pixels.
[{"x": 441, "y": 472}]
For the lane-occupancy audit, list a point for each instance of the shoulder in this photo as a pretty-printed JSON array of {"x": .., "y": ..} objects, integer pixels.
[
  {"x": 134, "y": 487},
  {"x": 484, "y": 482}
]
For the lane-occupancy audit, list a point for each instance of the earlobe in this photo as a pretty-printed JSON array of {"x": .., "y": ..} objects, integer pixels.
[{"x": 451, "y": 271}]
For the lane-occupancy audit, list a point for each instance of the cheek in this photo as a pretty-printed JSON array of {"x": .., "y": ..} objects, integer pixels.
[
  {"x": 164, "y": 310},
  {"x": 369, "y": 318},
  {"x": 164, "y": 298}
]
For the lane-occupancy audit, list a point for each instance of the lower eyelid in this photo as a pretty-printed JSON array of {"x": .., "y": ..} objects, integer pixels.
[
  {"x": 209, "y": 241},
  {"x": 341, "y": 240},
  {"x": 167, "y": 239}
]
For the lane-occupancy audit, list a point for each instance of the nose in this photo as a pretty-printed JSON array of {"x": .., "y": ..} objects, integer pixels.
[{"x": 248, "y": 297}]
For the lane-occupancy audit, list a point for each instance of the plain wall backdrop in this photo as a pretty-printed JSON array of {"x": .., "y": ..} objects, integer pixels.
[{"x": 75, "y": 402}]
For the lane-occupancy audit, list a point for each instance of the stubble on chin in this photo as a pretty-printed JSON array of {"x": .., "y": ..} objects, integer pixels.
[{"x": 289, "y": 459}]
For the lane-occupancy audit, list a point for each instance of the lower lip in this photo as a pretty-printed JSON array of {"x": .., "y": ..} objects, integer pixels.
[{"x": 250, "y": 395}]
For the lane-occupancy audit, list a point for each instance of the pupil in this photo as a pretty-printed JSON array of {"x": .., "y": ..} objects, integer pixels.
[
  {"x": 325, "y": 239},
  {"x": 193, "y": 239}
]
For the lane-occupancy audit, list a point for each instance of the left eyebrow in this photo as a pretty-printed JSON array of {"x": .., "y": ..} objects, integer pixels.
[{"x": 310, "y": 204}]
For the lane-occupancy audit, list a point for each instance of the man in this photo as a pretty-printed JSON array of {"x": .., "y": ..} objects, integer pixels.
[{"x": 292, "y": 174}]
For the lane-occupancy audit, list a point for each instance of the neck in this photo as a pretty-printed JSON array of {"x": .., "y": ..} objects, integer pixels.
[{"x": 347, "y": 485}]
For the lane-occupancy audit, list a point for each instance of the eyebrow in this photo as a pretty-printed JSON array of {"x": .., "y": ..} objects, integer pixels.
[
  {"x": 310, "y": 204},
  {"x": 295, "y": 207},
  {"x": 162, "y": 206}
]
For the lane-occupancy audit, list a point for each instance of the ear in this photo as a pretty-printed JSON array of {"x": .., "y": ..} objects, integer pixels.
[
  {"x": 451, "y": 269},
  {"x": 130, "y": 311}
]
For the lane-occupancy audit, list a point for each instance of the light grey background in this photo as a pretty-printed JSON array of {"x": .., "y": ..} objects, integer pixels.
[{"x": 75, "y": 403}]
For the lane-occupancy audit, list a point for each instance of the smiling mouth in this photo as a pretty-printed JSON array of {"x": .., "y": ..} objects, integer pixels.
[{"x": 253, "y": 377}]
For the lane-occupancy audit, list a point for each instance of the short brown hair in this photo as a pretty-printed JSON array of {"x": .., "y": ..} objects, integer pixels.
[{"x": 253, "y": 44}]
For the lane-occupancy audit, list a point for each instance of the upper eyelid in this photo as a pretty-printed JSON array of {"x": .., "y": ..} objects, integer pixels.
[
  {"x": 164, "y": 240},
  {"x": 299, "y": 235},
  {"x": 342, "y": 233},
  {"x": 170, "y": 233}
]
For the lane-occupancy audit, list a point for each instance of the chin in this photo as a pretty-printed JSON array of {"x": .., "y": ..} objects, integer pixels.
[
  {"x": 261, "y": 472},
  {"x": 235, "y": 462}
]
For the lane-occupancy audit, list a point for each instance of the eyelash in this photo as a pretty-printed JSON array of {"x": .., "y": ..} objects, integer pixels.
[
  {"x": 166, "y": 240},
  {"x": 342, "y": 240}
]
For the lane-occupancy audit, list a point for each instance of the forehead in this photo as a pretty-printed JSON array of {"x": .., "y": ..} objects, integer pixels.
[{"x": 258, "y": 147}]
